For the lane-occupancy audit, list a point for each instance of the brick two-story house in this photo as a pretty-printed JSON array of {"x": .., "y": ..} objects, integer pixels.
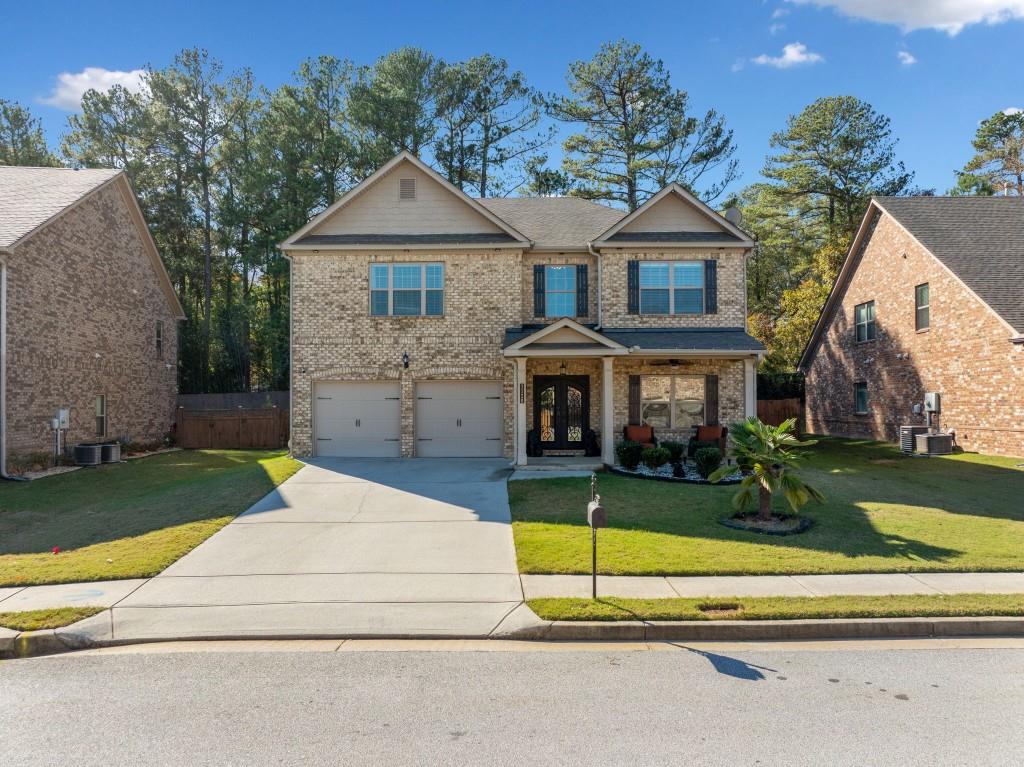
[
  {"x": 930, "y": 299},
  {"x": 88, "y": 316},
  {"x": 428, "y": 323}
]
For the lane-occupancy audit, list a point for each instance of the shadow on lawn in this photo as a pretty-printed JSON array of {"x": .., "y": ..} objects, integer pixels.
[
  {"x": 853, "y": 475},
  {"x": 108, "y": 503}
]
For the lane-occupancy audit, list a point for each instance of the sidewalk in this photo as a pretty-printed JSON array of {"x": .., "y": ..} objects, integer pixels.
[{"x": 110, "y": 593}]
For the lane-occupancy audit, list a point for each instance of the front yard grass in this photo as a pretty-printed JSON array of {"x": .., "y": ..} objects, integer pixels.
[
  {"x": 54, "y": 618},
  {"x": 128, "y": 520},
  {"x": 885, "y": 512},
  {"x": 778, "y": 608}
]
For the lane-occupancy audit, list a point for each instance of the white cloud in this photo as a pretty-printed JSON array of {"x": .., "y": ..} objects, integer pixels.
[
  {"x": 906, "y": 58},
  {"x": 71, "y": 86},
  {"x": 949, "y": 16},
  {"x": 1013, "y": 111},
  {"x": 774, "y": 29},
  {"x": 738, "y": 65},
  {"x": 778, "y": 13},
  {"x": 793, "y": 54}
]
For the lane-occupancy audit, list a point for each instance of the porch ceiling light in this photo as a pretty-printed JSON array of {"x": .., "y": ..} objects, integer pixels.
[{"x": 561, "y": 369}]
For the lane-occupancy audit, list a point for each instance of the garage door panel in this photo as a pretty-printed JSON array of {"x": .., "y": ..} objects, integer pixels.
[
  {"x": 459, "y": 419},
  {"x": 357, "y": 419}
]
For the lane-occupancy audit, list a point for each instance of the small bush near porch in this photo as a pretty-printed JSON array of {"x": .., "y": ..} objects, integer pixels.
[{"x": 884, "y": 513}]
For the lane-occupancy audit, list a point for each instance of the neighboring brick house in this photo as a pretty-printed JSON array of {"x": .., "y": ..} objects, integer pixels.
[
  {"x": 429, "y": 323},
  {"x": 930, "y": 298},
  {"x": 88, "y": 316}
]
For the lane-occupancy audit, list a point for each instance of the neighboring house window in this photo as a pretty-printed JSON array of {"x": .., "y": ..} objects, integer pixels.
[
  {"x": 672, "y": 402},
  {"x": 407, "y": 289},
  {"x": 101, "y": 416},
  {"x": 860, "y": 398},
  {"x": 671, "y": 287},
  {"x": 922, "y": 307},
  {"x": 159, "y": 339},
  {"x": 864, "y": 319},
  {"x": 559, "y": 291}
]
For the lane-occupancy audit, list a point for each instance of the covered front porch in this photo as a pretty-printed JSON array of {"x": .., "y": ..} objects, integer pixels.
[{"x": 577, "y": 387}]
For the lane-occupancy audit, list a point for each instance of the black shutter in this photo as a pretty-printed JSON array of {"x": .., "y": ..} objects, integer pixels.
[
  {"x": 710, "y": 400},
  {"x": 538, "y": 290},
  {"x": 634, "y": 400},
  {"x": 582, "y": 291},
  {"x": 711, "y": 287},
  {"x": 633, "y": 287}
]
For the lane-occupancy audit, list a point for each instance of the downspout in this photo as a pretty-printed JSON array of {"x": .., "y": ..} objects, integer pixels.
[
  {"x": 3, "y": 370},
  {"x": 291, "y": 357},
  {"x": 595, "y": 254}
]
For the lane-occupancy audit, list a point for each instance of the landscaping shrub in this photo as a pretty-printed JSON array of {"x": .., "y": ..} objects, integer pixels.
[
  {"x": 675, "y": 450},
  {"x": 653, "y": 457},
  {"x": 629, "y": 452},
  {"x": 707, "y": 459},
  {"x": 678, "y": 470}
]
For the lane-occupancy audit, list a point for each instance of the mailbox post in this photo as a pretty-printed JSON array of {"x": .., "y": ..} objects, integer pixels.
[{"x": 595, "y": 518}]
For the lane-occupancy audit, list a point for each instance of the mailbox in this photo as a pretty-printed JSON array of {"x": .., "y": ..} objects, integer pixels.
[{"x": 596, "y": 515}]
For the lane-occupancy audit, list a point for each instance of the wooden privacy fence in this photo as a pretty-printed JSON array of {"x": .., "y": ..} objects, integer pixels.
[
  {"x": 237, "y": 429},
  {"x": 775, "y": 411}
]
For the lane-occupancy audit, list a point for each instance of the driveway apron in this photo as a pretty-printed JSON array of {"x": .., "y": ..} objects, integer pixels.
[{"x": 347, "y": 547}]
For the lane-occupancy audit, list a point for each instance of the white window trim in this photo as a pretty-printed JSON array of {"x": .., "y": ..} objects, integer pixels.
[
  {"x": 672, "y": 395},
  {"x": 672, "y": 288},
  {"x": 423, "y": 288},
  {"x": 917, "y": 308},
  {"x": 866, "y": 323},
  {"x": 549, "y": 292},
  {"x": 101, "y": 398}
]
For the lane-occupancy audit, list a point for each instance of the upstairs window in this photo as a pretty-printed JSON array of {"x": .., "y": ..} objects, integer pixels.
[
  {"x": 922, "y": 307},
  {"x": 560, "y": 291},
  {"x": 671, "y": 287},
  {"x": 159, "y": 339},
  {"x": 864, "y": 321},
  {"x": 860, "y": 398},
  {"x": 407, "y": 290}
]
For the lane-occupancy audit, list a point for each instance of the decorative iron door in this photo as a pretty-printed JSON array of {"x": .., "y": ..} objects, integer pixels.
[{"x": 561, "y": 411}]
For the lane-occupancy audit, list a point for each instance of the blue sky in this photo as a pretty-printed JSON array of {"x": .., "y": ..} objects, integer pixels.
[{"x": 961, "y": 60}]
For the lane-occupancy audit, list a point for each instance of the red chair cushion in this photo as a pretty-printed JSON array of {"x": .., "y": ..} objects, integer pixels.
[
  {"x": 641, "y": 434},
  {"x": 709, "y": 433}
]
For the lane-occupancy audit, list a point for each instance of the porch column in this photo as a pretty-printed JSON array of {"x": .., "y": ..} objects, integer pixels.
[
  {"x": 520, "y": 395},
  {"x": 608, "y": 412},
  {"x": 750, "y": 386}
]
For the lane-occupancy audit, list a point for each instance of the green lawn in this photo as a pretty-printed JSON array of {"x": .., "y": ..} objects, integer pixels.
[
  {"x": 128, "y": 520},
  {"x": 778, "y": 608},
  {"x": 884, "y": 513},
  {"x": 37, "y": 620}
]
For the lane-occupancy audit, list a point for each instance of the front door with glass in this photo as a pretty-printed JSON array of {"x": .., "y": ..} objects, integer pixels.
[{"x": 561, "y": 410}]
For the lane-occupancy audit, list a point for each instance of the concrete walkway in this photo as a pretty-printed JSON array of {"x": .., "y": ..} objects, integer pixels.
[
  {"x": 870, "y": 584},
  {"x": 345, "y": 547}
]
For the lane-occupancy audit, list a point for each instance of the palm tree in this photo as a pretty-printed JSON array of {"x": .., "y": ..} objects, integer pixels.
[{"x": 767, "y": 451}]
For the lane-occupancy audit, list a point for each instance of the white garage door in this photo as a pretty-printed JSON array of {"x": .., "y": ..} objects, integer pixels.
[
  {"x": 359, "y": 420},
  {"x": 458, "y": 419}
]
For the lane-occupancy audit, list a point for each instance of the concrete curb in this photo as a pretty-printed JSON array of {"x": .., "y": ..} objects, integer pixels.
[{"x": 523, "y": 625}]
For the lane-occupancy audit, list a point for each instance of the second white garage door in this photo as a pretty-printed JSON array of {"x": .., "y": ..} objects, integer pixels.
[
  {"x": 460, "y": 419},
  {"x": 361, "y": 420}
]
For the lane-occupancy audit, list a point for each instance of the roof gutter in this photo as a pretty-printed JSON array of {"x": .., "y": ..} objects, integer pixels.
[{"x": 1017, "y": 340}]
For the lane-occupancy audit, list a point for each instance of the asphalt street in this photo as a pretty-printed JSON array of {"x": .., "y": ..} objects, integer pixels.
[{"x": 315, "y": 703}]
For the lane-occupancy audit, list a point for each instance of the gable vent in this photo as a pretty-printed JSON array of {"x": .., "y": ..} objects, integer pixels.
[{"x": 406, "y": 189}]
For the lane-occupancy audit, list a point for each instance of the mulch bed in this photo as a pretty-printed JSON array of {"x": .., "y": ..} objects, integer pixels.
[{"x": 780, "y": 524}]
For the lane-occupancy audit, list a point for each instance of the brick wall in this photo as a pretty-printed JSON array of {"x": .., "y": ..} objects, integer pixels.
[
  {"x": 335, "y": 338},
  {"x": 83, "y": 300},
  {"x": 731, "y": 289},
  {"x": 965, "y": 355}
]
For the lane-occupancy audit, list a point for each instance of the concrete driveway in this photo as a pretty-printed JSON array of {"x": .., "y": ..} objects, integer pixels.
[{"x": 355, "y": 547}]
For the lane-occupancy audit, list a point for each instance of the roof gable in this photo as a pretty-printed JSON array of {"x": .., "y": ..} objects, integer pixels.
[
  {"x": 674, "y": 216},
  {"x": 374, "y": 213},
  {"x": 32, "y": 197},
  {"x": 562, "y": 338}
]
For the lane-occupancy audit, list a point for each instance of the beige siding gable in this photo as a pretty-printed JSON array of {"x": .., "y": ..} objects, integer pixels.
[
  {"x": 672, "y": 214},
  {"x": 379, "y": 209}
]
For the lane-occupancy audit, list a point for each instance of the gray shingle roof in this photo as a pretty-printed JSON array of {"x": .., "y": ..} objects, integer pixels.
[
  {"x": 981, "y": 239},
  {"x": 553, "y": 222},
  {"x": 683, "y": 339},
  {"x": 406, "y": 239},
  {"x": 32, "y": 196}
]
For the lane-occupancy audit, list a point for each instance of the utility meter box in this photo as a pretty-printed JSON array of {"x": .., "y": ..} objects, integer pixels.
[
  {"x": 63, "y": 418},
  {"x": 932, "y": 402}
]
